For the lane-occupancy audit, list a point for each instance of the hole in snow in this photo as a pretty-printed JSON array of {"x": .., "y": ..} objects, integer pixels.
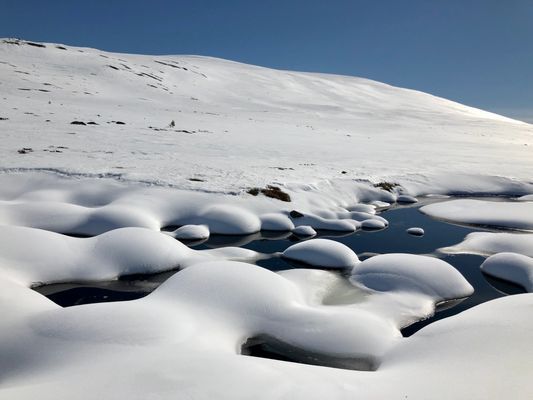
[{"x": 264, "y": 346}]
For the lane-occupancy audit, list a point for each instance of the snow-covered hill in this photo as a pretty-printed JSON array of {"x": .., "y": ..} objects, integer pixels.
[{"x": 236, "y": 125}]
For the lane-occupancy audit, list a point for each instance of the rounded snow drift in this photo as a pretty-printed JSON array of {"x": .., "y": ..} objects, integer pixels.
[
  {"x": 191, "y": 232},
  {"x": 322, "y": 253},
  {"x": 406, "y": 199},
  {"x": 373, "y": 224},
  {"x": 415, "y": 231},
  {"x": 304, "y": 231}
]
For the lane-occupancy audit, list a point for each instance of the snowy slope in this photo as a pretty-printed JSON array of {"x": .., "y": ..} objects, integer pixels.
[{"x": 236, "y": 125}]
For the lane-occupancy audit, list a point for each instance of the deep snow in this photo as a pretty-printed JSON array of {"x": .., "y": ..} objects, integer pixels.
[{"x": 188, "y": 137}]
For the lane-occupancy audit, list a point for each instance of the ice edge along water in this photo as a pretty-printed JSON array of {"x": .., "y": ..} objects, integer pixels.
[{"x": 230, "y": 121}]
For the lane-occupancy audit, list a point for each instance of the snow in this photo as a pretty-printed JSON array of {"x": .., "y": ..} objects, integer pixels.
[
  {"x": 373, "y": 224},
  {"x": 405, "y": 198},
  {"x": 488, "y": 243},
  {"x": 304, "y": 231},
  {"x": 191, "y": 232},
  {"x": 498, "y": 214},
  {"x": 415, "y": 231},
  {"x": 276, "y": 222},
  {"x": 512, "y": 267},
  {"x": 238, "y": 127},
  {"x": 412, "y": 273},
  {"x": 323, "y": 253}
]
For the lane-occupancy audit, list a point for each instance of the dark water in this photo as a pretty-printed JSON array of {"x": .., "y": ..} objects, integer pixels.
[{"x": 393, "y": 239}]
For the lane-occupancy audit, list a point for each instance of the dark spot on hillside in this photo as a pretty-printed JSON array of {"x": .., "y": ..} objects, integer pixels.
[
  {"x": 272, "y": 192},
  {"x": 61, "y": 48},
  {"x": 92, "y": 123},
  {"x": 296, "y": 214},
  {"x": 3, "y": 118},
  {"x": 24, "y": 89},
  {"x": 151, "y": 76},
  {"x": 36, "y": 44},
  {"x": 11, "y": 41},
  {"x": 113, "y": 67},
  {"x": 25, "y": 150},
  {"x": 78, "y": 123},
  {"x": 196, "y": 180}
]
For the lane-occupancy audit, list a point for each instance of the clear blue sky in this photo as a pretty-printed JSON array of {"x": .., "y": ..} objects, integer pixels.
[{"x": 478, "y": 52}]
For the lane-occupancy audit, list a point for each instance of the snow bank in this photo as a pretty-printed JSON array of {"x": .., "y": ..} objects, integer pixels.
[
  {"x": 498, "y": 214},
  {"x": 488, "y": 243},
  {"x": 512, "y": 267}
]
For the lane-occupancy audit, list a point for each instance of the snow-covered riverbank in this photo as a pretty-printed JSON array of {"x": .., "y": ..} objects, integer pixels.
[{"x": 168, "y": 141}]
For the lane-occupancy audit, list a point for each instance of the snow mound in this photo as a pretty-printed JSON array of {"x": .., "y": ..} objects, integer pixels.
[
  {"x": 191, "y": 232},
  {"x": 304, "y": 231},
  {"x": 498, "y": 214},
  {"x": 512, "y": 267},
  {"x": 373, "y": 224},
  {"x": 228, "y": 220},
  {"x": 415, "y": 231},
  {"x": 276, "y": 222},
  {"x": 406, "y": 199},
  {"x": 322, "y": 253},
  {"x": 412, "y": 273}
]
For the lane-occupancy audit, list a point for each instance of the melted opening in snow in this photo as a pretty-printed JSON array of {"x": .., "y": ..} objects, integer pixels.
[
  {"x": 365, "y": 243},
  {"x": 268, "y": 347}
]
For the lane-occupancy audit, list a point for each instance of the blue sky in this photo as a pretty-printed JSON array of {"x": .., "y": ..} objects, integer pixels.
[{"x": 478, "y": 52}]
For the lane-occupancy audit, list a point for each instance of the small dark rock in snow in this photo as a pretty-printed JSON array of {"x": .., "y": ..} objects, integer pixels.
[
  {"x": 25, "y": 150},
  {"x": 78, "y": 123},
  {"x": 296, "y": 214},
  {"x": 35, "y": 44}
]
